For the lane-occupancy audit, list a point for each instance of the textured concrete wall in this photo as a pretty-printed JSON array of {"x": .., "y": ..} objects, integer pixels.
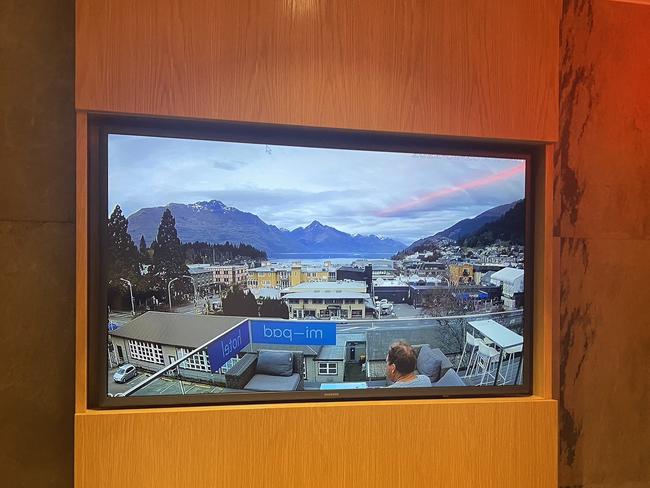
[
  {"x": 602, "y": 232},
  {"x": 37, "y": 242}
]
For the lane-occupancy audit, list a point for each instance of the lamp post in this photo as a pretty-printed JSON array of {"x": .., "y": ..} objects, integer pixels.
[
  {"x": 169, "y": 288},
  {"x": 131, "y": 293},
  {"x": 169, "y": 292}
]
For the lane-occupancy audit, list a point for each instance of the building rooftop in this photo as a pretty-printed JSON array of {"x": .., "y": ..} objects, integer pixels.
[
  {"x": 377, "y": 264},
  {"x": 198, "y": 268},
  {"x": 265, "y": 292},
  {"x": 379, "y": 282},
  {"x": 271, "y": 268},
  {"x": 306, "y": 350},
  {"x": 176, "y": 329},
  {"x": 508, "y": 274},
  {"x": 379, "y": 340},
  {"x": 326, "y": 294},
  {"x": 332, "y": 353},
  {"x": 326, "y": 285}
]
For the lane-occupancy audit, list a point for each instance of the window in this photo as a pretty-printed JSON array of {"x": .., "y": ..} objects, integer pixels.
[
  {"x": 327, "y": 369},
  {"x": 198, "y": 362},
  {"x": 146, "y": 351}
]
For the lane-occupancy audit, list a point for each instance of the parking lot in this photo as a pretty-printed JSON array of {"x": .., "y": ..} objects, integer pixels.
[
  {"x": 405, "y": 311},
  {"x": 160, "y": 386}
]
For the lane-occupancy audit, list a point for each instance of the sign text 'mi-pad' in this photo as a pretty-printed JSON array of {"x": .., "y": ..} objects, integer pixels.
[{"x": 291, "y": 332}]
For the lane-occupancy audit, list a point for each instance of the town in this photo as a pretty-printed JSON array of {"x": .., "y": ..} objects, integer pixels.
[{"x": 437, "y": 298}]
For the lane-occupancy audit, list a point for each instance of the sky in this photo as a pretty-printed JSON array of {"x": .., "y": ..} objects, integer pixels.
[{"x": 399, "y": 195}]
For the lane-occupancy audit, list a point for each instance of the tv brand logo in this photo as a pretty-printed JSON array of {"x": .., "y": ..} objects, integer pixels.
[{"x": 293, "y": 332}]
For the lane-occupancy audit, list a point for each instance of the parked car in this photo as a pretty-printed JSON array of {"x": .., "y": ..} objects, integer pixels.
[{"x": 124, "y": 373}]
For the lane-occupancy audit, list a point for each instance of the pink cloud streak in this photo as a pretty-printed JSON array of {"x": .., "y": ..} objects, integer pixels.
[{"x": 424, "y": 200}]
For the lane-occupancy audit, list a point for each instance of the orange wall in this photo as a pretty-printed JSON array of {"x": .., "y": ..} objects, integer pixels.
[
  {"x": 470, "y": 69},
  {"x": 602, "y": 233}
]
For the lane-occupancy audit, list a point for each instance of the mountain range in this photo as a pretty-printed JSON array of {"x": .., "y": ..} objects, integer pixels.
[
  {"x": 213, "y": 222},
  {"x": 461, "y": 229},
  {"x": 508, "y": 228}
]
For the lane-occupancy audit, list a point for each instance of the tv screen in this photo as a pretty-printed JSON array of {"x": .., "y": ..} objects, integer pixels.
[{"x": 261, "y": 263}]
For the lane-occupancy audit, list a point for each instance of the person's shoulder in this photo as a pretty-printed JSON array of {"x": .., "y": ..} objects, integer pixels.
[{"x": 423, "y": 380}]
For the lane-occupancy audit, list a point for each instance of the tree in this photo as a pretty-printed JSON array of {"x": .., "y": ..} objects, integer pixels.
[
  {"x": 250, "y": 306},
  {"x": 203, "y": 252},
  {"x": 441, "y": 305},
  {"x": 167, "y": 261},
  {"x": 143, "y": 245},
  {"x": 274, "y": 308},
  {"x": 144, "y": 252},
  {"x": 123, "y": 260},
  {"x": 239, "y": 303}
]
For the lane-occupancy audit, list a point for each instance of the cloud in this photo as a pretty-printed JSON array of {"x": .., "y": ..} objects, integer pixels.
[
  {"x": 226, "y": 165},
  {"x": 292, "y": 186}
]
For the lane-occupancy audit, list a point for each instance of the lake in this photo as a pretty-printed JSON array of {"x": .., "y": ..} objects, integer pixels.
[{"x": 319, "y": 258}]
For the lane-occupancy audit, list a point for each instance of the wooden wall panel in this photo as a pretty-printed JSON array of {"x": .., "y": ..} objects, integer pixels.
[
  {"x": 487, "y": 443},
  {"x": 602, "y": 225},
  {"x": 474, "y": 68}
]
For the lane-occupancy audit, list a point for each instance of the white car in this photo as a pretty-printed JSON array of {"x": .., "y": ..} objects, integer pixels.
[{"x": 124, "y": 373}]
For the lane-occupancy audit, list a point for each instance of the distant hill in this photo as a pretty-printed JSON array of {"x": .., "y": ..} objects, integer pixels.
[
  {"x": 213, "y": 222},
  {"x": 322, "y": 238},
  {"x": 459, "y": 230},
  {"x": 508, "y": 228}
]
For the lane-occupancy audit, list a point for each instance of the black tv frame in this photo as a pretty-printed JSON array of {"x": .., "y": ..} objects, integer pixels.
[{"x": 101, "y": 125}]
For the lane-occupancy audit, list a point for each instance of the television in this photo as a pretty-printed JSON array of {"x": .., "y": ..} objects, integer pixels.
[{"x": 233, "y": 262}]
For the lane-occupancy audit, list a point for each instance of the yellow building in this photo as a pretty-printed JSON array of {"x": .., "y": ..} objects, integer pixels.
[
  {"x": 461, "y": 274},
  {"x": 283, "y": 276}
]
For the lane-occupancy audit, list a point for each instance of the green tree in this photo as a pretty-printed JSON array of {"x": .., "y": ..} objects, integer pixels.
[
  {"x": 250, "y": 306},
  {"x": 274, "y": 308},
  {"x": 144, "y": 251},
  {"x": 239, "y": 303},
  {"x": 123, "y": 260},
  {"x": 143, "y": 245},
  {"x": 167, "y": 261}
]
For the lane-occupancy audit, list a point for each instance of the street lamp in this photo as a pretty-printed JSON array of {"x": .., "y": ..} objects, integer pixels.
[
  {"x": 131, "y": 293},
  {"x": 169, "y": 288}
]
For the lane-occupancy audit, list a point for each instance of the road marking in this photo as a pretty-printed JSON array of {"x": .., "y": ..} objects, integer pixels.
[{"x": 166, "y": 388}]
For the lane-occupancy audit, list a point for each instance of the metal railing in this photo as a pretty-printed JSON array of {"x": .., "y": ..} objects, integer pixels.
[{"x": 160, "y": 373}]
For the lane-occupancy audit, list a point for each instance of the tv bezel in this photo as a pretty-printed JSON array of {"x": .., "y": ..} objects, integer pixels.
[{"x": 101, "y": 125}]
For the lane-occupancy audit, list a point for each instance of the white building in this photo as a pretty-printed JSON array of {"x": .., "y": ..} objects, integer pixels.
[
  {"x": 512, "y": 281},
  {"x": 327, "y": 299}
]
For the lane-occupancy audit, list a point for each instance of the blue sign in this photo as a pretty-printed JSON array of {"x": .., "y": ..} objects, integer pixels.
[
  {"x": 227, "y": 346},
  {"x": 292, "y": 332}
]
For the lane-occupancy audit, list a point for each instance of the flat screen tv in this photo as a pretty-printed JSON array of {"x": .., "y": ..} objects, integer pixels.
[{"x": 252, "y": 263}]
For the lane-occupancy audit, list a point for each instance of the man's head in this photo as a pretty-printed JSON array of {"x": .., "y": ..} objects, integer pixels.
[{"x": 400, "y": 361}]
